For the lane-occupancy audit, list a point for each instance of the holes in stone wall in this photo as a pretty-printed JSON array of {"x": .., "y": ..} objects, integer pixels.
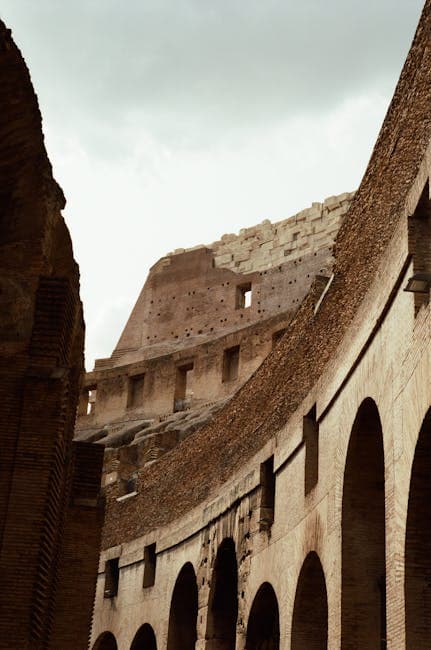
[{"x": 276, "y": 336}]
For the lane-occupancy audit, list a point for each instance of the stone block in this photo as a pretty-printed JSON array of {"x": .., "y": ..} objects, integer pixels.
[{"x": 220, "y": 260}]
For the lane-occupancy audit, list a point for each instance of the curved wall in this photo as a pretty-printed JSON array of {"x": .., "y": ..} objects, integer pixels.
[{"x": 244, "y": 476}]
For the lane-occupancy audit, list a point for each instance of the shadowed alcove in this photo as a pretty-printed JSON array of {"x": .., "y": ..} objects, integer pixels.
[
  {"x": 105, "y": 641},
  {"x": 145, "y": 639},
  {"x": 363, "y": 597},
  {"x": 310, "y": 612},
  {"x": 263, "y": 629},
  {"x": 418, "y": 546},
  {"x": 184, "y": 610},
  {"x": 223, "y": 600}
]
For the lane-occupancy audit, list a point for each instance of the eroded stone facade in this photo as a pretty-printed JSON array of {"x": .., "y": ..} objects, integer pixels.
[
  {"x": 204, "y": 322},
  {"x": 298, "y": 517},
  {"x": 50, "y": 512}
]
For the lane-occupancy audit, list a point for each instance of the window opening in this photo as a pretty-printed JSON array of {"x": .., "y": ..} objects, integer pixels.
[
  {"x": 243, "y": 296},
  {"x": 136, "y": 391},
  {"x": 112, "y": 575},
  {"x": 267, "y": 495},
  {"x": 311, "y": 440},
  {"x": 230, "y": 364},
  {"x": 149, "y": 565},
  {"x": 87, "y": 401},
  {"x": 183, "y": 392}
]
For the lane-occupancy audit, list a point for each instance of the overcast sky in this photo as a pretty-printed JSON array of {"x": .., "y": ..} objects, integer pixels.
[{"x": 171, "y": 122}]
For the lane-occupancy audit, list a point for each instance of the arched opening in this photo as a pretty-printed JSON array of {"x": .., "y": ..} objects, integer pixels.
[
  {"x": 418, "y": 545},
  {"x": 223, "y": 600},
  {"x": 310, "y": 611},
  {"x": 105, "y": 641},
  {"x": 363, "y": 597},
  {"x": 263, "y": 629},
  {"x": 145, "y": 639},
  {"x": 184, "y": 611}
]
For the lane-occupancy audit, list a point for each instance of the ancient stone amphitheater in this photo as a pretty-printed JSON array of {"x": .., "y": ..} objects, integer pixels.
[
  {"x": 267, "y": 426},
  {"x": 265, "y": 417}
]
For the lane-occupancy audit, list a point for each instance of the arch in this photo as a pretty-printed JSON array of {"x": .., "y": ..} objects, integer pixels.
[
  {"x": 310, "y": 610},
  {"x": 417, "y": 588},
  {"x": 144, "y": 639},
  {"x": 106, "y": 641},
  {"x": 263, "y": 629},
  {"x": 223, "y": 599},
  {"x": 183, "y": 612},
  {"x": 363, "y": 593}
]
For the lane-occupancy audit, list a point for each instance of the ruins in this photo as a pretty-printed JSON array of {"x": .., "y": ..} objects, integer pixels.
[
  {"x": 266, "y": 494},
  {"x": 264, "y": 422},
  {"x": 204, "y": 322},
  {"x": 50, "y": 509}
]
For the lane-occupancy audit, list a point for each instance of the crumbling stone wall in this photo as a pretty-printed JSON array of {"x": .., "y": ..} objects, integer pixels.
[
  {"x": 49, "y": 486},
  {"x": 192, "y": 315},
  {"x": 192, "y": 293},
  {"x": 357, "y": 365}
]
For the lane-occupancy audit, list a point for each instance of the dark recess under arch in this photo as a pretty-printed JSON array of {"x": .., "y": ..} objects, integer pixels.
[
  {"x": 310, "y": 611},
  {"x": 363, "y": 596},
  {"x": 183, "y": 611}
]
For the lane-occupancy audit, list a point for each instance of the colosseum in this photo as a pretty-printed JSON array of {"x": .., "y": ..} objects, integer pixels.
[{"x": 267, "y": 425}]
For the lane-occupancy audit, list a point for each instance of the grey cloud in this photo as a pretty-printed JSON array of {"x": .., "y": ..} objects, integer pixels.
[{"x": 198, "y": 67}]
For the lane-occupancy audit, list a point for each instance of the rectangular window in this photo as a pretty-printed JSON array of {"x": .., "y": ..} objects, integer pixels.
[
  {"x": 183, "y": 393},
  {"x": 112, "y": 575},
  {"x": 419, "y": 238},
  {"x": 149, "y": 565},
  {"x": 87, "y": 401},
  {"x": 243, "y": 296},
  {"x": 230, "y": 364},
  {"x": 311, "y": 440},
  {"x": 136, "y": 391},
  {"x": 267, "y": 494}
]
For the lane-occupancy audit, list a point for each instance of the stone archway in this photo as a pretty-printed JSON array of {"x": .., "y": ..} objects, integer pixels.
[
  {"x": 363, "y": 597},
  {"x": 310, "y": 612},
  {"x": 183, "y": 611},
  {"x": 223, "y": 599},
  {"x": 263, "y": 629},
  {"x": 105, "y": 641},
  {"x": 417, "y": 586},
  {"x": 144, "y": 639}
]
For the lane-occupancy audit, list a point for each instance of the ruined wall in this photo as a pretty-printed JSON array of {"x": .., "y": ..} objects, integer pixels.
[
  {"x": 193, "y": 293},
  {"x": 46, "y": 504},
  {"x": 194, "y": 336},
  {"x": 304, "y": 504}
]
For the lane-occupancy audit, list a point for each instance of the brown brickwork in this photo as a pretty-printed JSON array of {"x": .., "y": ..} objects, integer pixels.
[
  {"x": 345, "y": 560},
  {"x": 49, "y": 509}
]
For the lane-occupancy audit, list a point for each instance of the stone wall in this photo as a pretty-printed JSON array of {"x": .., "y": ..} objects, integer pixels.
[
  {"x": 193, "y": 313},
  {"x": 192, "y": 293},
  {"x": 49, "y": 485},
  {"x": 304, "y": 504}
]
